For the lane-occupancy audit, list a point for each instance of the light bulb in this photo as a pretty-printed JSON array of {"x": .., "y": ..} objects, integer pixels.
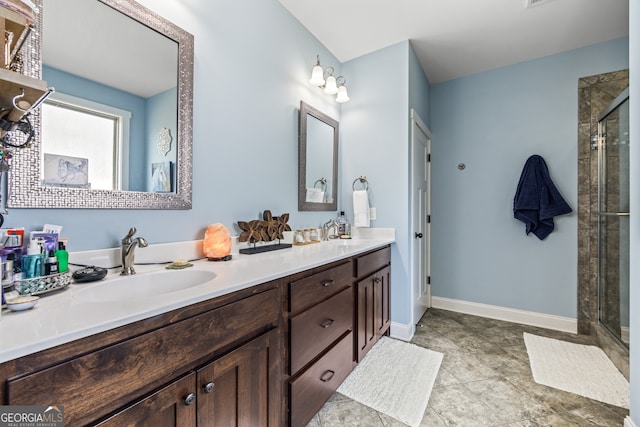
[
  {"x": 342, "y": 96},
  {"x": 330, "y": 86},
  {"x": 317, "y": 78}
]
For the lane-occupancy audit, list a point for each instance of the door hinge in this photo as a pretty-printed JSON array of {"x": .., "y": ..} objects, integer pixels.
[
  {"x": 428, "y": 280},
  {"x": 429, "y": 158},
  {"x": 428, "y": 219}
]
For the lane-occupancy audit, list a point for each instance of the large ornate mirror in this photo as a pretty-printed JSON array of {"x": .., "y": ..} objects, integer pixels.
[
  {"x": 318, "y": 160},
  {"x": 117, "y": 133}
]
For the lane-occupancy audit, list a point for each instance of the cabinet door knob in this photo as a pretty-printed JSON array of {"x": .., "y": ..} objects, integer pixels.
[
  {"x": 327, "y": 323},
  {"x": 189, "y": 399},
  {"x": 418, "y": 235},
  {"x": 326, "y": 377},
  {"x": 327, "y": 283},
  {"x": 377, "y": 279},
  {"x": 208, "y": 388}
]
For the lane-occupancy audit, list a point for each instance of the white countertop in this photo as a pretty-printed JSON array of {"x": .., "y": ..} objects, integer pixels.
[{"x": 66, "y": 315}]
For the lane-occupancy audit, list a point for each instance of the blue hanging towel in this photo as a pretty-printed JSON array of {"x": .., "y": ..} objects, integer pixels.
[{"x": 537, "y": 200}]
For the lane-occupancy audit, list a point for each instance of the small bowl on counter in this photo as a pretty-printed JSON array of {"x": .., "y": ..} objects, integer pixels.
[{"x": 23, "y": 302}]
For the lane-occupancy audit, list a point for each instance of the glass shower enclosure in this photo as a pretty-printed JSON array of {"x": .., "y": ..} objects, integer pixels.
[{"x": 613, "y": 218}]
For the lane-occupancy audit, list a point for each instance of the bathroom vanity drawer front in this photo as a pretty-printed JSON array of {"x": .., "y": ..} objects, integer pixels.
[
  {"x": 317, "y": 328},
  {"x": 373, "y": 261},
  {"x": 312, "y": 389},
  {"x": 95, "y": 384},
  {"x": 311, "y": 290}
]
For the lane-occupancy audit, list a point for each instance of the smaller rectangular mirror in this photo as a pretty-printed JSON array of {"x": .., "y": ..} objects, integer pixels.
[{"x": 317, "y": 160}]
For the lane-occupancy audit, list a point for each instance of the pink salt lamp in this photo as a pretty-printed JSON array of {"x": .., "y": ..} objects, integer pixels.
[{"x": 217, "y": 243}]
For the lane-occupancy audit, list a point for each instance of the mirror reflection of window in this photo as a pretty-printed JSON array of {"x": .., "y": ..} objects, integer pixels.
[
  {"x": 319, "y": 158},
  {"x": 139, "y": 74},
  {"x": 79, "y": 129}
]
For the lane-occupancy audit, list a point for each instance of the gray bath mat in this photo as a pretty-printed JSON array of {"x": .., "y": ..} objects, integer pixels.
[
  {"x": 580, "y": 369},
  {"x": 395, "y": 378}
]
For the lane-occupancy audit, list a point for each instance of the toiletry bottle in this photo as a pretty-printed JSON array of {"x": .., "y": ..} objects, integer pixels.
[
  {"x": 32, "y": 265},
  {"x": 7, "y": 270},
  {"x": 342, "y": 222},
  {"x": 347, "y": 230},
  {"x": 63, "y": 258},
  {"x": 51, "y": 264}
]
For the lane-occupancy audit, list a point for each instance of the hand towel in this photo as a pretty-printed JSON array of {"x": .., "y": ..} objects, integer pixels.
[
  {"x": 315, "y": 195},
  {"x": 361, "y": 208},
  {"x": 537, "y": 199}
]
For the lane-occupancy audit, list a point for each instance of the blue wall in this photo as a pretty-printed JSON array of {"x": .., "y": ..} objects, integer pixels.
[
  {"x": 246, "y": 100},
  {"x": 384, "y": 86},
  {"x": 419, "y": 90},
  {"x": 492, "y": 122},
  {"x": 161, "y": 113}
]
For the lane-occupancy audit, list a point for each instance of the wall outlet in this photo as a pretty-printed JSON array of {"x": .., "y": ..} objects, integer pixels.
[{"x": 372, "y": 213}]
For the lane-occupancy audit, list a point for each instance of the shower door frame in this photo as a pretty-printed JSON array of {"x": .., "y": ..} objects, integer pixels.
[{"x": 617, "y": 102}]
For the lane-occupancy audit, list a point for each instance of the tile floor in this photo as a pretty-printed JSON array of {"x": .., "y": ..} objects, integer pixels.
[{"x": 484, "y": 380}]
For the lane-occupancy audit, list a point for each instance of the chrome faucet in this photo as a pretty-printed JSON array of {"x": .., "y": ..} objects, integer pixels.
[
  {"x": 325, "y": 230},
  {"x": 128, "y": 251}
]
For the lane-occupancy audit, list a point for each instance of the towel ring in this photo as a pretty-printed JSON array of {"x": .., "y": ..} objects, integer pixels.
[
  {"x": 323, "y": 183},
  {"x": 363, "y": 180}
]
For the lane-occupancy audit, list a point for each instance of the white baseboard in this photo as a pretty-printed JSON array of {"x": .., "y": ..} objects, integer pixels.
[
  {"x": 628, "y": 422},
  {"x": 549, "y": 321},
  {"x": 401, "y": 331}
]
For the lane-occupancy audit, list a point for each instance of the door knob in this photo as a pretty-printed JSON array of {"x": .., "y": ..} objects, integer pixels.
[{"x": 418, "y": 235}]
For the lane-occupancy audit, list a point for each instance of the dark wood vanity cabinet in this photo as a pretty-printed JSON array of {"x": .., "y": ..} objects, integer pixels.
[
  {"x": 269, "y": 355},
  {"x": 213, "y": 363},
  {"x": 233, "y": 390},
  {"x": 373, "y": 312},
  {"x": 321, "y": 314}
]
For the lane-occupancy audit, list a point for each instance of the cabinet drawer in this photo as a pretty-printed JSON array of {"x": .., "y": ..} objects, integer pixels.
[
  {"x": 312, "y": 389},
  {"x": 373, "y": 261},
  {"x": 311, "y": 290},
  {"x": 93, "y": 385},
  {"x": 315, "y": 329}
]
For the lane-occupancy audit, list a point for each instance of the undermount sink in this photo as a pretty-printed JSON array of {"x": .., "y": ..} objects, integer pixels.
[{"x": 144, "y": 285}]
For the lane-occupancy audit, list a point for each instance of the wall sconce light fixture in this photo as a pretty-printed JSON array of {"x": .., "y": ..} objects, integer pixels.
[{"x": 332, "y": 85}]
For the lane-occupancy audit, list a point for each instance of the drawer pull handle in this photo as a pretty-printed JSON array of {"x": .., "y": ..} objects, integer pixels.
[
  {"x": 208, "y": 388},
  {"x": 326, "y": 377},
  {"x": 327, "y": 323},
  {"x": 327, "y": 283},
  {"x": 189, "y": 399}
]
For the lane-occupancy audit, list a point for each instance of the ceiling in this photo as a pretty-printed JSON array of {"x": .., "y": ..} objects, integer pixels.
[{"x": 455, "y": 38}]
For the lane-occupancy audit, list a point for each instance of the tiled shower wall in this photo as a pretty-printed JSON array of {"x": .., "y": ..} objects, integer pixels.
[{"x": 595, "y": 93}]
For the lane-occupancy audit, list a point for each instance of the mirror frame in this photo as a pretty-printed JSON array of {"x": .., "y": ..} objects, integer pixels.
[
  {"x": 303, "y": 205},
  {"x": 24, "y": 186}
]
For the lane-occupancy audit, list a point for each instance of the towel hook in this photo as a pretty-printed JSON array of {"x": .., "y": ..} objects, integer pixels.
[
  {"x": 19, "y": 103},
  {"x": 363, "y": 181}
]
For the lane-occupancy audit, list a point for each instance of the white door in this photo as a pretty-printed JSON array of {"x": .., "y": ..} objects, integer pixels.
[{"x": 420, "y": 214}]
